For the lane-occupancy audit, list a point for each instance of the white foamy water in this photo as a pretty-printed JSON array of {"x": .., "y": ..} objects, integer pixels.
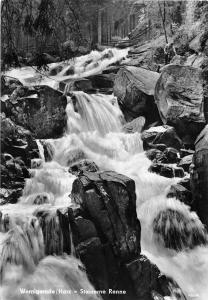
[
  {"x": 82, "y": 66},
  {"x": 172, "y": 236}
]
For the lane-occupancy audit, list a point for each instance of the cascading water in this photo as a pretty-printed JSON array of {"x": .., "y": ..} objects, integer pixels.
[
  {"x": 172, "y": 236},
  {"x": 78, "y": 67}
]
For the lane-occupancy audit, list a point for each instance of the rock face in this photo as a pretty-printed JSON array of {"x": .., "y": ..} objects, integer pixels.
[
  {"x": 110, "y": 200},
  {"x": 39, "y": 109},
  {"x": 199, "y": 176},
  {"x": 159, "y": 135},
  {"x": 135, "y": 125},
  {"x": 106, "y": 235},
  {"x": 179, "y": 95},
  {"x": 134, "y": 88}
]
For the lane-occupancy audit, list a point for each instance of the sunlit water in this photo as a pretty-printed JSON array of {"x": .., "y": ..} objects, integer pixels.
[{"x": 172, "y": 236}]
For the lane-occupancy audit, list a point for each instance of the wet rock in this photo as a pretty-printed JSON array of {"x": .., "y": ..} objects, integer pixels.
[
  {"x": 10, "y": 195},
  {"x": 199, "y": 176},
  {"x": 17, "y": 141},
  {"x": 185, "y": 162},
  {"x": 179, "y": 95},
  {"x": 185, "y": 182},
  {"x": 109, "y": 231},
  {"x": 166, "y": 170},
  {"x": 40, "y": 109},
  {"x": 135, "y": 125},
  {"x": 102, "y": 82},
  {"x": 81, "y": 84},
  {"x": 42, "y": 198},
  {"x": 9, "y": 84},
  {"x": 181, "y": 193},
  {"x": 111, "y": 70},
  {"x": 13, "y": 174},
  {"x": 154, "y": 154},
  {"x": 69, "y": 71},
  {"x": 109, "y": 198},
  {"x": 50, "y": 59},
  {"x": 85, "y": 229},
  {"x": 134, "y": 88},
  {"x": 165, "y": 135},
  {"x": 83, "y": 166},
  {"x": 36, "y": 163},
  {"x": 56, "y": 229},
  {"x": 170, "y": 156},
  {"x": 146, "y": 278},
  {"x": 55, "y": 70},
  {"x": 91, "y": 255}
]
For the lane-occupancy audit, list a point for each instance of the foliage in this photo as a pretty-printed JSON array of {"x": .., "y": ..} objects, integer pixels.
[{"x": 46, "y": 21}]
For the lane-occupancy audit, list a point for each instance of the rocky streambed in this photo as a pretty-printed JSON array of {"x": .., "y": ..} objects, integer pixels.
[{"x": 109, "y": 180}]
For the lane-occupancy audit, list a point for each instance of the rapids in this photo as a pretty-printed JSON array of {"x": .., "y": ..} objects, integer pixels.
[
  {"x": 172, "y": 236},
  {"x": 78, "y": 67}
]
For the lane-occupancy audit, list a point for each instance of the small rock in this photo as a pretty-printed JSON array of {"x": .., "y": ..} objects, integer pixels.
[
  {"x": 170, "y": 156},
  {"x": 166, "y": 170},
  {"x": 181, "y": 193},
  {"x": 154, "y": 154},
  {"x": 185, "y": 162},
  {"x": 83, "y": 165}
]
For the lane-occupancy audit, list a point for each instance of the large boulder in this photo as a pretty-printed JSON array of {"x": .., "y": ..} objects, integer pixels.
[
  {"x": 40, "y": 109},
  {"x": 180, "y": 93},
  {"x": 161, "y": 135},
  {"x": 134, "y": 88},
  {"x": 17, "y": 141},
  {"x": 135, "y": 125},
  {"x": 199, "y": 176},
  {"x": 110, "y": 200},
  {"x": 108, "y": 239}
]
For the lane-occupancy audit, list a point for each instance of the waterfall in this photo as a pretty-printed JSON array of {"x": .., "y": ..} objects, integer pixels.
[
  {"x": 172, "y": 236},
  {"x": 95, "y": 113}
]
